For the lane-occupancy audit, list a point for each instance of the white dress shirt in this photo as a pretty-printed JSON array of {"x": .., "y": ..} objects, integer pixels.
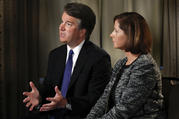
[{"x": 76, "y": 52}]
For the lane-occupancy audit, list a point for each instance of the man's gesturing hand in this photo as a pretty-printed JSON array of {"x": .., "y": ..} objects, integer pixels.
[
  {"x": 32, "y": 98},
  {"x": 55, "y": 102}
]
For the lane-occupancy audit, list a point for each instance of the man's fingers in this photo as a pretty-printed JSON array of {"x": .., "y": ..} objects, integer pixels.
[
  {"x": 50, "y": 99},
  {"x": 31, "y": 107},
  {"x": 26, "y": 100},
  {"x": 28, "y": 104},
  {"x": 32, "y": 85},
  {"x": 48, "y": 105},
  {"x": 57, "y": 90},
  {"x": 26, "y": 93},
  {"x": 46, "y": 108}
]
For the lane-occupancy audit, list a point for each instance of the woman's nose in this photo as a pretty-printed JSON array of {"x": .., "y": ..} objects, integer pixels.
[{"x": 110, "y": 35}]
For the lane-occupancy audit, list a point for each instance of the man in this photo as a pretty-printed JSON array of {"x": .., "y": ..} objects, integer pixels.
[{"x": 86, "y": 66}]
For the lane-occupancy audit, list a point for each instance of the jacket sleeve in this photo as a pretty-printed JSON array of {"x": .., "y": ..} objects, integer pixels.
[
  {"x": 101, "y": 106},
  {"x": 47, "y": 90}
]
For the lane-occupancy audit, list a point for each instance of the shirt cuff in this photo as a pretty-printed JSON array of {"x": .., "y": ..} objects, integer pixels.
[{"x": 68, "y": 106}]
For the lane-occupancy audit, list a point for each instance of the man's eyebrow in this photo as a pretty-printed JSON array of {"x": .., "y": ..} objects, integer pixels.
[{"x": 69, "y": 21}]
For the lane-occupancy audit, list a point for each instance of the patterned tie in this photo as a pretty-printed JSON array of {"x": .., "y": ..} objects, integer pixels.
[{"x": 67, "y": 74}]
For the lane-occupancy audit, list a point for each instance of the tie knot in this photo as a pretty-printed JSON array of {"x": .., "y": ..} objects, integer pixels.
[{"x": 71, "y": 53}]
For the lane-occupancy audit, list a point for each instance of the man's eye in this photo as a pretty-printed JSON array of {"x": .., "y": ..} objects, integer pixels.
[{"x": 69, "y": 24}]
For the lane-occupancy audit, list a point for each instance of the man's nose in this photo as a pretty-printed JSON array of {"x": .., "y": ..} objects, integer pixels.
[{"x": 62, "y": 27}]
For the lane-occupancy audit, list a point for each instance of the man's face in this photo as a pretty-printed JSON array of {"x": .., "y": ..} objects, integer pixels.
[{"x": 69, "y": 31}]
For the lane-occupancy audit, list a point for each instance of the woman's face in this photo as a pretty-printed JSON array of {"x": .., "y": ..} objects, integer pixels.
[{"x": 118, "y": 36}]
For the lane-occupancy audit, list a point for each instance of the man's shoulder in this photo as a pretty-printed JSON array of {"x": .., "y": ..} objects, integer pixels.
[
  {"x": 61, "y": 48},
  {"x": 94, "y": 49}
]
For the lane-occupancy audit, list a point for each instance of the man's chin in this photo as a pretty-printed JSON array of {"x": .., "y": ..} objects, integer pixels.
[{"x": 63, "y": 41}]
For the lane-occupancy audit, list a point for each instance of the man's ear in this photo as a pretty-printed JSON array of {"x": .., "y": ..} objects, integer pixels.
[{"x": 82, "y": 32}]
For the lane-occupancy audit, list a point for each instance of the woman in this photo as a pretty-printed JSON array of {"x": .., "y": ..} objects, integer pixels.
[{"x": 135, "y": 88}]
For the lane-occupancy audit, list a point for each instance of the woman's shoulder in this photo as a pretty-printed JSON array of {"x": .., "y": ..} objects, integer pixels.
[
  {"x": 145, "y": 62},
  {"x": 145, "y": 59}
]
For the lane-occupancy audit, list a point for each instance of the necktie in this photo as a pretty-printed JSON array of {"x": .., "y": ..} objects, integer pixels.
[{"x": 67, "y": 74}]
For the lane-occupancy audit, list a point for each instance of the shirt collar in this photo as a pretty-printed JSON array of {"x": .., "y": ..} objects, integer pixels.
[{"x": 77, "y": 49}]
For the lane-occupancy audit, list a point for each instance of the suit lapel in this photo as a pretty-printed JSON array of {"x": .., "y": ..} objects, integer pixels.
[
  {"x": 61, "y": 60},
  {"x": 79, "y": 64}
]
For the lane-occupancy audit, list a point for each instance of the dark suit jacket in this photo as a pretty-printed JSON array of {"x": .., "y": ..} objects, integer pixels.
[{"x": 90, "y": 76}]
